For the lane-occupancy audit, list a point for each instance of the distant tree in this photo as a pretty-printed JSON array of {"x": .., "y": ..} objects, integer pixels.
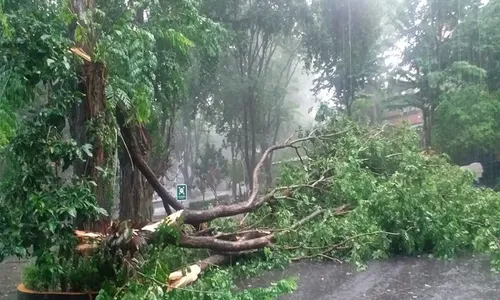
[
  {"x": 343, "y": 47},
  {"x": 466, "y": 119},
  {"x": 210, "y": 169},
  {"x": 431, "y": 30},
  {"x": 261, "y": 58}
]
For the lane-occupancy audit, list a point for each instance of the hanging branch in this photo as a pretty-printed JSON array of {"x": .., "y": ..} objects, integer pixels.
[
  {"x": 195, "y": 217},
  {"x": 167, "y": 199}
]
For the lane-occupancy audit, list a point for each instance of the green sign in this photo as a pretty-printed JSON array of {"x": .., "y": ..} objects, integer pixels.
[{"x": 181, "y": 192}]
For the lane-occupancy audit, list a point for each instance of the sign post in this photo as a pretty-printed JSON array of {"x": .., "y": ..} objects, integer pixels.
[{"x": 181, "y": 191}]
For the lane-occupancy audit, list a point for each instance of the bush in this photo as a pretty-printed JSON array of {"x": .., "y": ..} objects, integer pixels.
[{"x": 77, "y": 274}]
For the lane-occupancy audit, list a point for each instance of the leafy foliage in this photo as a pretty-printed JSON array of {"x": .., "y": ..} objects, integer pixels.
[
  {"x": 161, "y": 55},
  {"x": 432, "y": 53},
  {"x": 32, "y": 58},
  {"x": 43, "y": 202},
  {"x": 343, "y": 46},
  {"x": 467, "y": 122},
  {"x": 217, "y": 283},
  {"x": 402, "y": 201},
  {"x": 80, "y": 274}
]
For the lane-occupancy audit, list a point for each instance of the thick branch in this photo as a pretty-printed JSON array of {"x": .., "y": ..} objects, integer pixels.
[
  {"x": 200, "y": 216},
  {"x": 213, "y": 243},
  {"x": 146, "y": 171},
  {"x": 183, "y": 277}
]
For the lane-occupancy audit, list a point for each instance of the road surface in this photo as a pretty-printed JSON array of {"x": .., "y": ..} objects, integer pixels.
[
  {"x": 467, "y": 278},
  {"x": 160, "y": 211}
]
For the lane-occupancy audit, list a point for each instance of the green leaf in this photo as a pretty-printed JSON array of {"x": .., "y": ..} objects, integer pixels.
[
  {"x": 102, "y": 211},
  {"x": 72, "y": 212}
]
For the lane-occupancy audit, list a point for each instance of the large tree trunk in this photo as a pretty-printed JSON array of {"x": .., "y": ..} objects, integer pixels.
[
  {"x": 139, "y": 161},
  {"x": 90, "y": 116},
  {"x": 87, "y": 117},
  {"x": 135, "y": 203},
  {"x": 95, "y": 115},
  {"x": 135, "y": 194}
]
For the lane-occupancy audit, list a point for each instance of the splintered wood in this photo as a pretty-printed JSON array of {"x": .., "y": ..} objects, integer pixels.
[
  {"x": 184, "y": 277},
  {"x": 89, "y": 241}
]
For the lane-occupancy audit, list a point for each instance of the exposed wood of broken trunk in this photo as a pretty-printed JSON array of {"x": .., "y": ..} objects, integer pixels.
[{"x": 225, "y": 244}]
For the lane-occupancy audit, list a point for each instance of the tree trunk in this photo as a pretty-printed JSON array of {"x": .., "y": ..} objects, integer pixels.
[
  {"x": 246, "y": 146},
  {"x": 185, "y": 175},
  {"x": 427, "y": 130},
  {"x": 267, "y": 167},
  {"x": 135, "y": 203},
  {"x": 135, "y": 198},
  {"x": 253, "y": 120},
  {"x": 77, "y": 130},
  {"x": 233, "y": 171},
  {"x": 140, "y": 162},
  {"x": 94, "y": 106},
  {"x": 89, "y": 118}
]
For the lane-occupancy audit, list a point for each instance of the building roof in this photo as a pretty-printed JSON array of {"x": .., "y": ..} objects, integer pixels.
[{"x": 414, "y": 118}]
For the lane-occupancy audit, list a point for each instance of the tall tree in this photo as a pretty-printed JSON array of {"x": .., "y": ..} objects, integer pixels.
[
  {"x": 343, "y": 47},
  {"x": 475, "y": 39},
  {"x": 428, "y": 28},
  {"x": 165, "y": 47},
  {"x": 91, "y": 118},
  {"x": 261, "y": 32}
]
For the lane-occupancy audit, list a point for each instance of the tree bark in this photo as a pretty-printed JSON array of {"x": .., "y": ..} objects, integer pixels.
[
  {"x": 135, "y": 205},
  {"x": 95, "y": 105},
  {"x": 142, "y": 165},
  {"x": 135, "y": 199},
  {"x": 90, "y": 115},
  {"x": 212, "y": 243}
]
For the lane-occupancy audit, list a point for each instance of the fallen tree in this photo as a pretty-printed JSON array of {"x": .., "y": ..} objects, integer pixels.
[
  {"x": 195, "y": 217},
  {"x": 363, "y": 194},
  {"x": 223, "y": 244}
]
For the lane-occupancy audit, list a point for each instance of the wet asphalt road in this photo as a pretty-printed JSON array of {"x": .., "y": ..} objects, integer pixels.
[
  {"x": 403, "y": 278},
  {"x": 465, "y": 278}
]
